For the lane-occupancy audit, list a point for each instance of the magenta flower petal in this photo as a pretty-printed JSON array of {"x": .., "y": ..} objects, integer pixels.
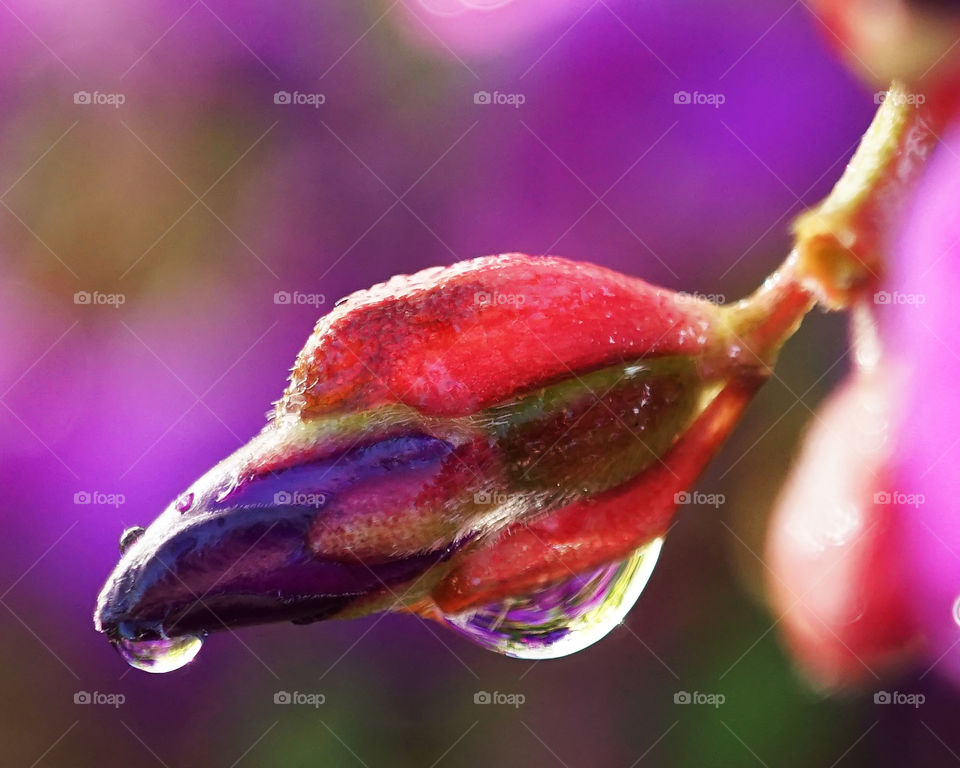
[{"x": 920, "y": 314}]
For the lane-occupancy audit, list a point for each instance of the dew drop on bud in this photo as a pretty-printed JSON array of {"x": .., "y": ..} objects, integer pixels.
[
  {"x": 129, "y": 536},
  {"x": 227, "y": 490},
  {"x": 184, "y": 503},
  {"x": 565, "y": 617},
  {"x": 160, "y": 655}
]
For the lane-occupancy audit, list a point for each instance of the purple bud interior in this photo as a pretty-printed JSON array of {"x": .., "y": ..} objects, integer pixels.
[{"x": 243, "y": 557}]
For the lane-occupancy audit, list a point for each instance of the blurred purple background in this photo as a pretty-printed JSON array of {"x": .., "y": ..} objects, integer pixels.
[{"x": 200, "y": 197}]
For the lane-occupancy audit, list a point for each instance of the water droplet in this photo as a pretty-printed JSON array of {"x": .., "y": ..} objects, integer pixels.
[
  {"x": 184, "y": 503},
  {"x": 160, "y": 655},
  {"x": 227, "y": 490},
  {"x": 129, "y": 536},
  {"x": 564, "y": 618}
]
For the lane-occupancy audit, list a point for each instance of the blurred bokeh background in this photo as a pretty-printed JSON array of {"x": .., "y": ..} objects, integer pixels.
[{"x": 148, "y": 162}]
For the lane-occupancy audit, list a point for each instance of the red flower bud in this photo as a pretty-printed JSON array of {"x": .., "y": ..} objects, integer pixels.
[
  {"x": 510, "y": 428},
  {"x": 836, "y": 579},
  {"x": 906, "y": 40}
]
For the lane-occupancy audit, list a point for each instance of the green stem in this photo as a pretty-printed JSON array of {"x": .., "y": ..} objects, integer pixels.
[{"x": 761, "y": 323}]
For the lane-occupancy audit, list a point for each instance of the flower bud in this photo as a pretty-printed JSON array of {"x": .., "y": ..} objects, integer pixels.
[
  {"x": 909, "y": 40},
  {"x": 837, "y": 580},
  {"x": 426, "y": 419}
]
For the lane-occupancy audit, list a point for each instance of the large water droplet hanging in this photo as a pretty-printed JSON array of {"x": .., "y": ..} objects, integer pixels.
[
  {"x": 161, "y": 655},
  {"x": 565, "y": 617},
  {"x": 184, "y": 503}
]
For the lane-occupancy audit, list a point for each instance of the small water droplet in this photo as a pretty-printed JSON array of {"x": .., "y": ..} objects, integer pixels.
[
  {"x": 184, "y": 503},
  {"x": 226, "y": 491},
  {"x": 160, "y": 655},
  {"x": 563, "y": 618},
  {"x": 128, "y": 537}
]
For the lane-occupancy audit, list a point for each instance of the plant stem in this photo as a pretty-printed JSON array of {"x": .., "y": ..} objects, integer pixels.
[{"x": 761, "y": 323}]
